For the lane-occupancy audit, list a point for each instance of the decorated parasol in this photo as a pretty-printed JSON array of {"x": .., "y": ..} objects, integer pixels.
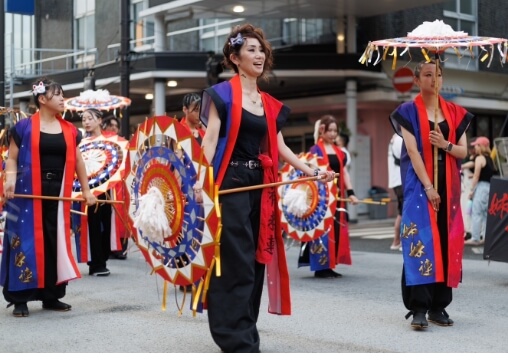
[
  {"x": 176, "y": 234},
  {"x": 435, "y": 37},
  {"x": 307, "y": 206},
  {"x": 99, "y": 99}
]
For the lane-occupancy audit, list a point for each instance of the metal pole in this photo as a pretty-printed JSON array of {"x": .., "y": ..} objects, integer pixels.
[
  {"x": 125, "y": 62},
  {"x": 2, "y": 60}
]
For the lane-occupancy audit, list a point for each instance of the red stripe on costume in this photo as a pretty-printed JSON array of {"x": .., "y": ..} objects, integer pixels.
[
  {"x": 280, "y": 293},
  {"x": 37, "y": 203},
  {"x": 428, "y": 156},
  {"x": 70, "y": 133}
]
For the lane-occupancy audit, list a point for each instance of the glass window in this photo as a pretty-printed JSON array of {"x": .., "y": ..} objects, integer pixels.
[
  {"x": 142, "y": 30},
  {"x": 213, "y": 33},
  {"x": 466, "y": 7},
  {"x": 84, "y": 14},
  {"x": 461, "y": 15},
  {"x": 85, "y": 32},
  {"x": 19, "y": 44},
  {"x": 82, "y": 7}
]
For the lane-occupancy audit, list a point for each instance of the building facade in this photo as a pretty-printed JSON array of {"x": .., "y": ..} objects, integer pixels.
[{"x": 316, "y": 64}]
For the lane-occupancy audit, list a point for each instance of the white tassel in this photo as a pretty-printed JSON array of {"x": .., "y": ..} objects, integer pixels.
[
  {"x": 151, "y": 218},
  {"x": 296, "y": 202}
]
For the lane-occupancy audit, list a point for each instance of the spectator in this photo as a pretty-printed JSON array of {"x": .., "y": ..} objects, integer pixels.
[
  {"x": 480, "y": 188},
  {"x": 342, "y": 141},
  {"x": 466, "y": 204},
  {"x": 395, "y": 183}
]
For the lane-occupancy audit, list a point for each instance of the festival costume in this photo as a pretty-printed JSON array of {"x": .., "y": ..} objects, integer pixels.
[
  {"x": 28, "y": 272},
  {"x": 94, "y": 237},
  {"x": 233, "y": 299},
  {"x": 432, "y": 245},
  {"x": 321, "y": 254}
]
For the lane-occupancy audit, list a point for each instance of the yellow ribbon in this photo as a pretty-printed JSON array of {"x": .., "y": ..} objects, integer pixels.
[
  {"x": 425, "y": 55},
  {"x": 164, "y": 294},
  {"x": 394, "y": 54}
]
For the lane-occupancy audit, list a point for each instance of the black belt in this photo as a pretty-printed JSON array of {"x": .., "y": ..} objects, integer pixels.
[
  {"x": 250, "y": 164},
  {"x": 52, "y": 175}
]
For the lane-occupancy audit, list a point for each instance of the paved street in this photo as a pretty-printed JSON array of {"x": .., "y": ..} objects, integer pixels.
[{"x": 361, "y": 312}]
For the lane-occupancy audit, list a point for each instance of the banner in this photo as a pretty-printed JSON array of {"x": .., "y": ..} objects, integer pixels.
[
  {"x": 23, "y": 7},
  {"x": 496, "y": 234}
]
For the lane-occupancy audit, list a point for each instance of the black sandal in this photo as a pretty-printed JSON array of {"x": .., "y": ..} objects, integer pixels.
[
  {"x": 56, "y": 305},
  {"x": 20, "y": 310},
  {"x": 419, "y": 320}
]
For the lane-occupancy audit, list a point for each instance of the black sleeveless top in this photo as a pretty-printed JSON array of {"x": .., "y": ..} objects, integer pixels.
[{"x": 487, "y": 171}]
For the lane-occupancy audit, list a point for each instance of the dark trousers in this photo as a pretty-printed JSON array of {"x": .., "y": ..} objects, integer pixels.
[
  {"x": 49, "y": 226},
  {"x": 99, "y": 232},
  {"x": 234, "y": 298}
]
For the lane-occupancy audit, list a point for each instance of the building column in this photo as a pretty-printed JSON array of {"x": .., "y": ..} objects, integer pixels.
[
  {"x": 159, "y": 33},
  {"x": 351, "y": 34},
  {"x": 159, "y": 97},
  {"x": 351, "y": 121},
  {"x": 351, "y": 111},
  {"x": 159, "y": 91}
]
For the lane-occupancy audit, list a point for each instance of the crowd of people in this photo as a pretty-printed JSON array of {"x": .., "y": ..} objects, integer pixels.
[{"x": 239, "y": 128}]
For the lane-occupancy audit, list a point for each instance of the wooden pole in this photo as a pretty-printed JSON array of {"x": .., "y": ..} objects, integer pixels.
[
  {"x": 273, "y": 184},
  {"x": 56, "y": 198},
  {"x": 365, "y": 201},
  {"x": 436, "y": 112}
]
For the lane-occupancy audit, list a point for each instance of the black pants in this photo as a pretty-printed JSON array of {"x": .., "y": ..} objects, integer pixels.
[
  {"x": 99, "y": 232},
  {"x": 234, "y": 298},
  {"x": 49, "y": 226}
]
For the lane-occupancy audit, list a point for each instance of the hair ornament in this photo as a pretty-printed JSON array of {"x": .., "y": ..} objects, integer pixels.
[
  {"x": 39, "y": 89},
  {"x": 236, "y": 41}
]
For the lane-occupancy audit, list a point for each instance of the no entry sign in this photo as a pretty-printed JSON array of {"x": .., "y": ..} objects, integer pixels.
[{"x": 403, "y": 79}]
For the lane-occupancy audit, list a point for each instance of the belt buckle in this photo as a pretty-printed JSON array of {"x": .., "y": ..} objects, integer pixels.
[
  {"x": 234, "y": 163},
  {"x": 50, "y": 175},
  {"x": 252, "y": 164}
]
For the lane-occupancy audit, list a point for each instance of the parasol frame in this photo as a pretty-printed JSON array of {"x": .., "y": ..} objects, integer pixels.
[{"x": 436, "y": 44}]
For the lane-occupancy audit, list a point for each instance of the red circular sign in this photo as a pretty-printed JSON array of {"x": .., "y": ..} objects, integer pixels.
[{"x": 403, "y": 79}]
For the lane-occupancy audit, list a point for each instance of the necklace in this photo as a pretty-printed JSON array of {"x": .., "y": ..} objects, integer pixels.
[{"x": 253, "y": 101}]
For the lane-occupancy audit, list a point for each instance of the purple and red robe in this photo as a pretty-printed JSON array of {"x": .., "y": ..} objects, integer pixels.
[
  {"x": 271, "y": 250},
  {"x": 420, "y": 237},
  {"x": 23, "y": 255},
  {"x": 323, "y": 252},
  {"x": 118, "y": 221}
]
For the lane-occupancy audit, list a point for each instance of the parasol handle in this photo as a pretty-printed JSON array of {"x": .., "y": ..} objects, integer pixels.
[
  {"x": 57, "y": 198},
  {"x": 273, "y": 184},
  {"x": 436, "y": 109}
]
